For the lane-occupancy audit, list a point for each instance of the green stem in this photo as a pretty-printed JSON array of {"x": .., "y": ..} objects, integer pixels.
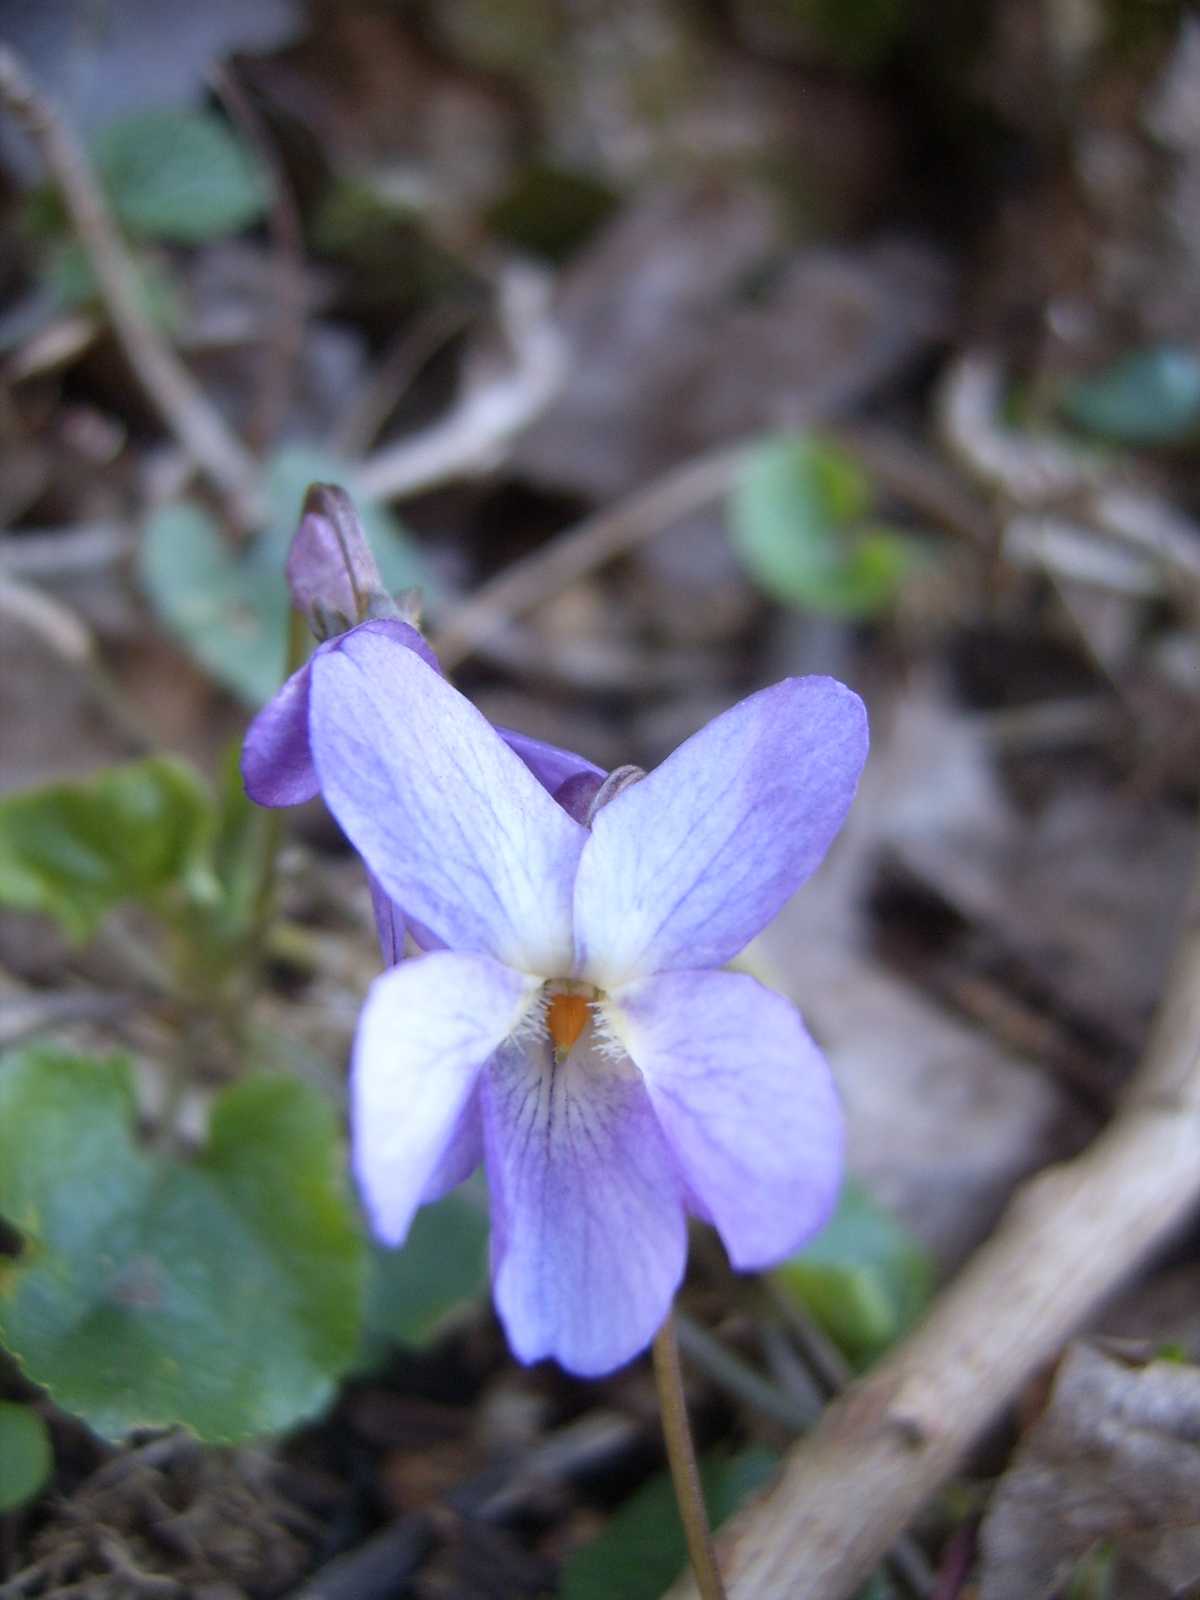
[{"x": 681, "y": 1454}]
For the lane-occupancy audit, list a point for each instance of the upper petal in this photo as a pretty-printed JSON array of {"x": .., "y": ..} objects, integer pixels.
[
  {"x": 457, "y": 830},
  {"x": 588, "y": 1232},
  {"x": 685, "y": 867},
  {"x": 746, "y": 1102},
  {"x": 550, "y": 764},
  {"x": 277, "y": 761},
  {"x": 425, "y": 1032}
]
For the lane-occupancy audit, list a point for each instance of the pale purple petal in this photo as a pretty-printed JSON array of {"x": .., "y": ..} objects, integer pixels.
[
  {"x": 682, "y": 869},
  {"x": 588, "y": 1229},
  {"x": 746, "y": 1102},
  {"x": 277, "y": 765},
  {"x": 425, "y": 1032},
  {"x": 461, "y": 1156},
  {"x": 454, "y": 826},
  {"x": 550, "y": 764}
]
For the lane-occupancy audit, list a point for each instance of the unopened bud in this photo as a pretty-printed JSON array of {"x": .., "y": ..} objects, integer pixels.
[{"x": 331, "y": 572}]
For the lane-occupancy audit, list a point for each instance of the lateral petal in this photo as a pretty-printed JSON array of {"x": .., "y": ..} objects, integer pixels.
[
  {"x": 426, "y": 1030},
  {"x": 455, "y": 827},
  {"x": 746, "y": 1102},
  {"x": 277, "y": 765},
  {"x": 588, "y": 1231},
  {"x": 682, "y": 869}
]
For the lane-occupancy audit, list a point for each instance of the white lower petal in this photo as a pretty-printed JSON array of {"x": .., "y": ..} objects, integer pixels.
[{"x": 426, "y": 1030}]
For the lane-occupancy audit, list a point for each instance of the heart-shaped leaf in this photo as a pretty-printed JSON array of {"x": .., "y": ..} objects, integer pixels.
[
  {"x": 797, "y": 520},
  {"x": 180, "y": 175},
  {"x": 223, "y": 1293},
  {"x": 134, "y": 832}
]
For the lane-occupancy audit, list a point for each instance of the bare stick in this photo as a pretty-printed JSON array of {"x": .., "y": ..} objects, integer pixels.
[
  {"x": 287, "y": 324},
  {"x": 183, "y": 405},
  {"x": 495, "y": 404},
  {"x": 1070, "y": 1237},
  {"x": 600, "y": 538}
]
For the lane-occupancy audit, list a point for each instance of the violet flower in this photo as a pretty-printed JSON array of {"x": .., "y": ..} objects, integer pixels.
[{"x": 575, "y": 1029}]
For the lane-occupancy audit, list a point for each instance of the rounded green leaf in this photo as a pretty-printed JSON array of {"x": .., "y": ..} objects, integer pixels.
[
  {"x": 795, "y": 520},
  {"x": 26, "y": 1455},
  {"x": 865, "y": 1278},
  {"x": 230, "y": 615},
  {"x": 179, "y": 175},
  {"x": 224, "y": 1294},
  {"x": 133, "y": 832},
  {"x": 1149, "y": 397}
]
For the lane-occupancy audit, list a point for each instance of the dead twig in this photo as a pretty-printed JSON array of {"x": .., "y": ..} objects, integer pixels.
[
  {"x": 184, "y": 407},
  {"x": 495, "y": 405},
  {"x": 591, "y": 543},
  {"x": 286, "y": 331},
  {"x": 1070, "y": 1237}
]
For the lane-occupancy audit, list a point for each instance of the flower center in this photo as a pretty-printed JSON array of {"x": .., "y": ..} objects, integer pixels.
[{"x": 566, "y": 1018}]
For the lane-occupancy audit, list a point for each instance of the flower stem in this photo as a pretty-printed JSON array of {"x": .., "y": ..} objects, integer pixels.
[{"x": 681, "y": 1453}]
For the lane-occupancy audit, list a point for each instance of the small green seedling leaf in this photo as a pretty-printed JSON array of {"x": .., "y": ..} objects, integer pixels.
[
  {"x": 134, "y": 832},
  {"x": 179, "y": 175},
  {"x": 230, "y": 608},
  {"x": 798, "y": 523},
  {"x": 26, "y": 1456},
  {"x": 442, "y": 1264},
  {"x": 1151, "y": 397},
  {"x": 643, "y": 1547},
  {"x": 224, "y": 1294},
  {"x": 865, "y": 1278}
]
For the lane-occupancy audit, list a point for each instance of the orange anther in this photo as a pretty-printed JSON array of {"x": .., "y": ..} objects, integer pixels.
[{"x": 566, "y": 1020}]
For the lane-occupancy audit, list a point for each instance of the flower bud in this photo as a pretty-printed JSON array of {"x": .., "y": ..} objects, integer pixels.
[{"x": 331, "y": 572}]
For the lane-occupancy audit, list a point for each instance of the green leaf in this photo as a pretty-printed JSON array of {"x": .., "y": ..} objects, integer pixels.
[
  {"x": 230, "y": 613},
  {"x": 179, "y": 175},
  {"x": 865, "y": 1278},
  {"x": 26, "y": 1456},
  {"x": 224, "y": 1294},
  {"x": 796, "y": 515},
  {"x": 442, "y": 1263},
  {"x": 643, "y": 1547},
  {"x": 1149, "y": 397},
  {"x": 134, "y": 832},
  {"x": 230, "y": 608}
]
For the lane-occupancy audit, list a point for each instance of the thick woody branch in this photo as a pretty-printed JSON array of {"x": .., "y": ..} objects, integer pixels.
[
  {"x": 184, "y": 407},
  {"x": 1071, "y": 1236}
]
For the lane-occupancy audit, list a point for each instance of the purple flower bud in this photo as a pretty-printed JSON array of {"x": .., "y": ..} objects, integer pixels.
[{"x": 331, "y": 572}]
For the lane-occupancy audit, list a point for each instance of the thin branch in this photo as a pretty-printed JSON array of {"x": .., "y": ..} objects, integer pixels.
[
  {"x": 495, "y": 405},
  {"x": 286, "y": 332},
  {"x": 417, "y": 344},
  {"x": 592, "y": 542},
  {"x": 184, "y": 407},
  {"x": 1070, "y": 1237}
]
